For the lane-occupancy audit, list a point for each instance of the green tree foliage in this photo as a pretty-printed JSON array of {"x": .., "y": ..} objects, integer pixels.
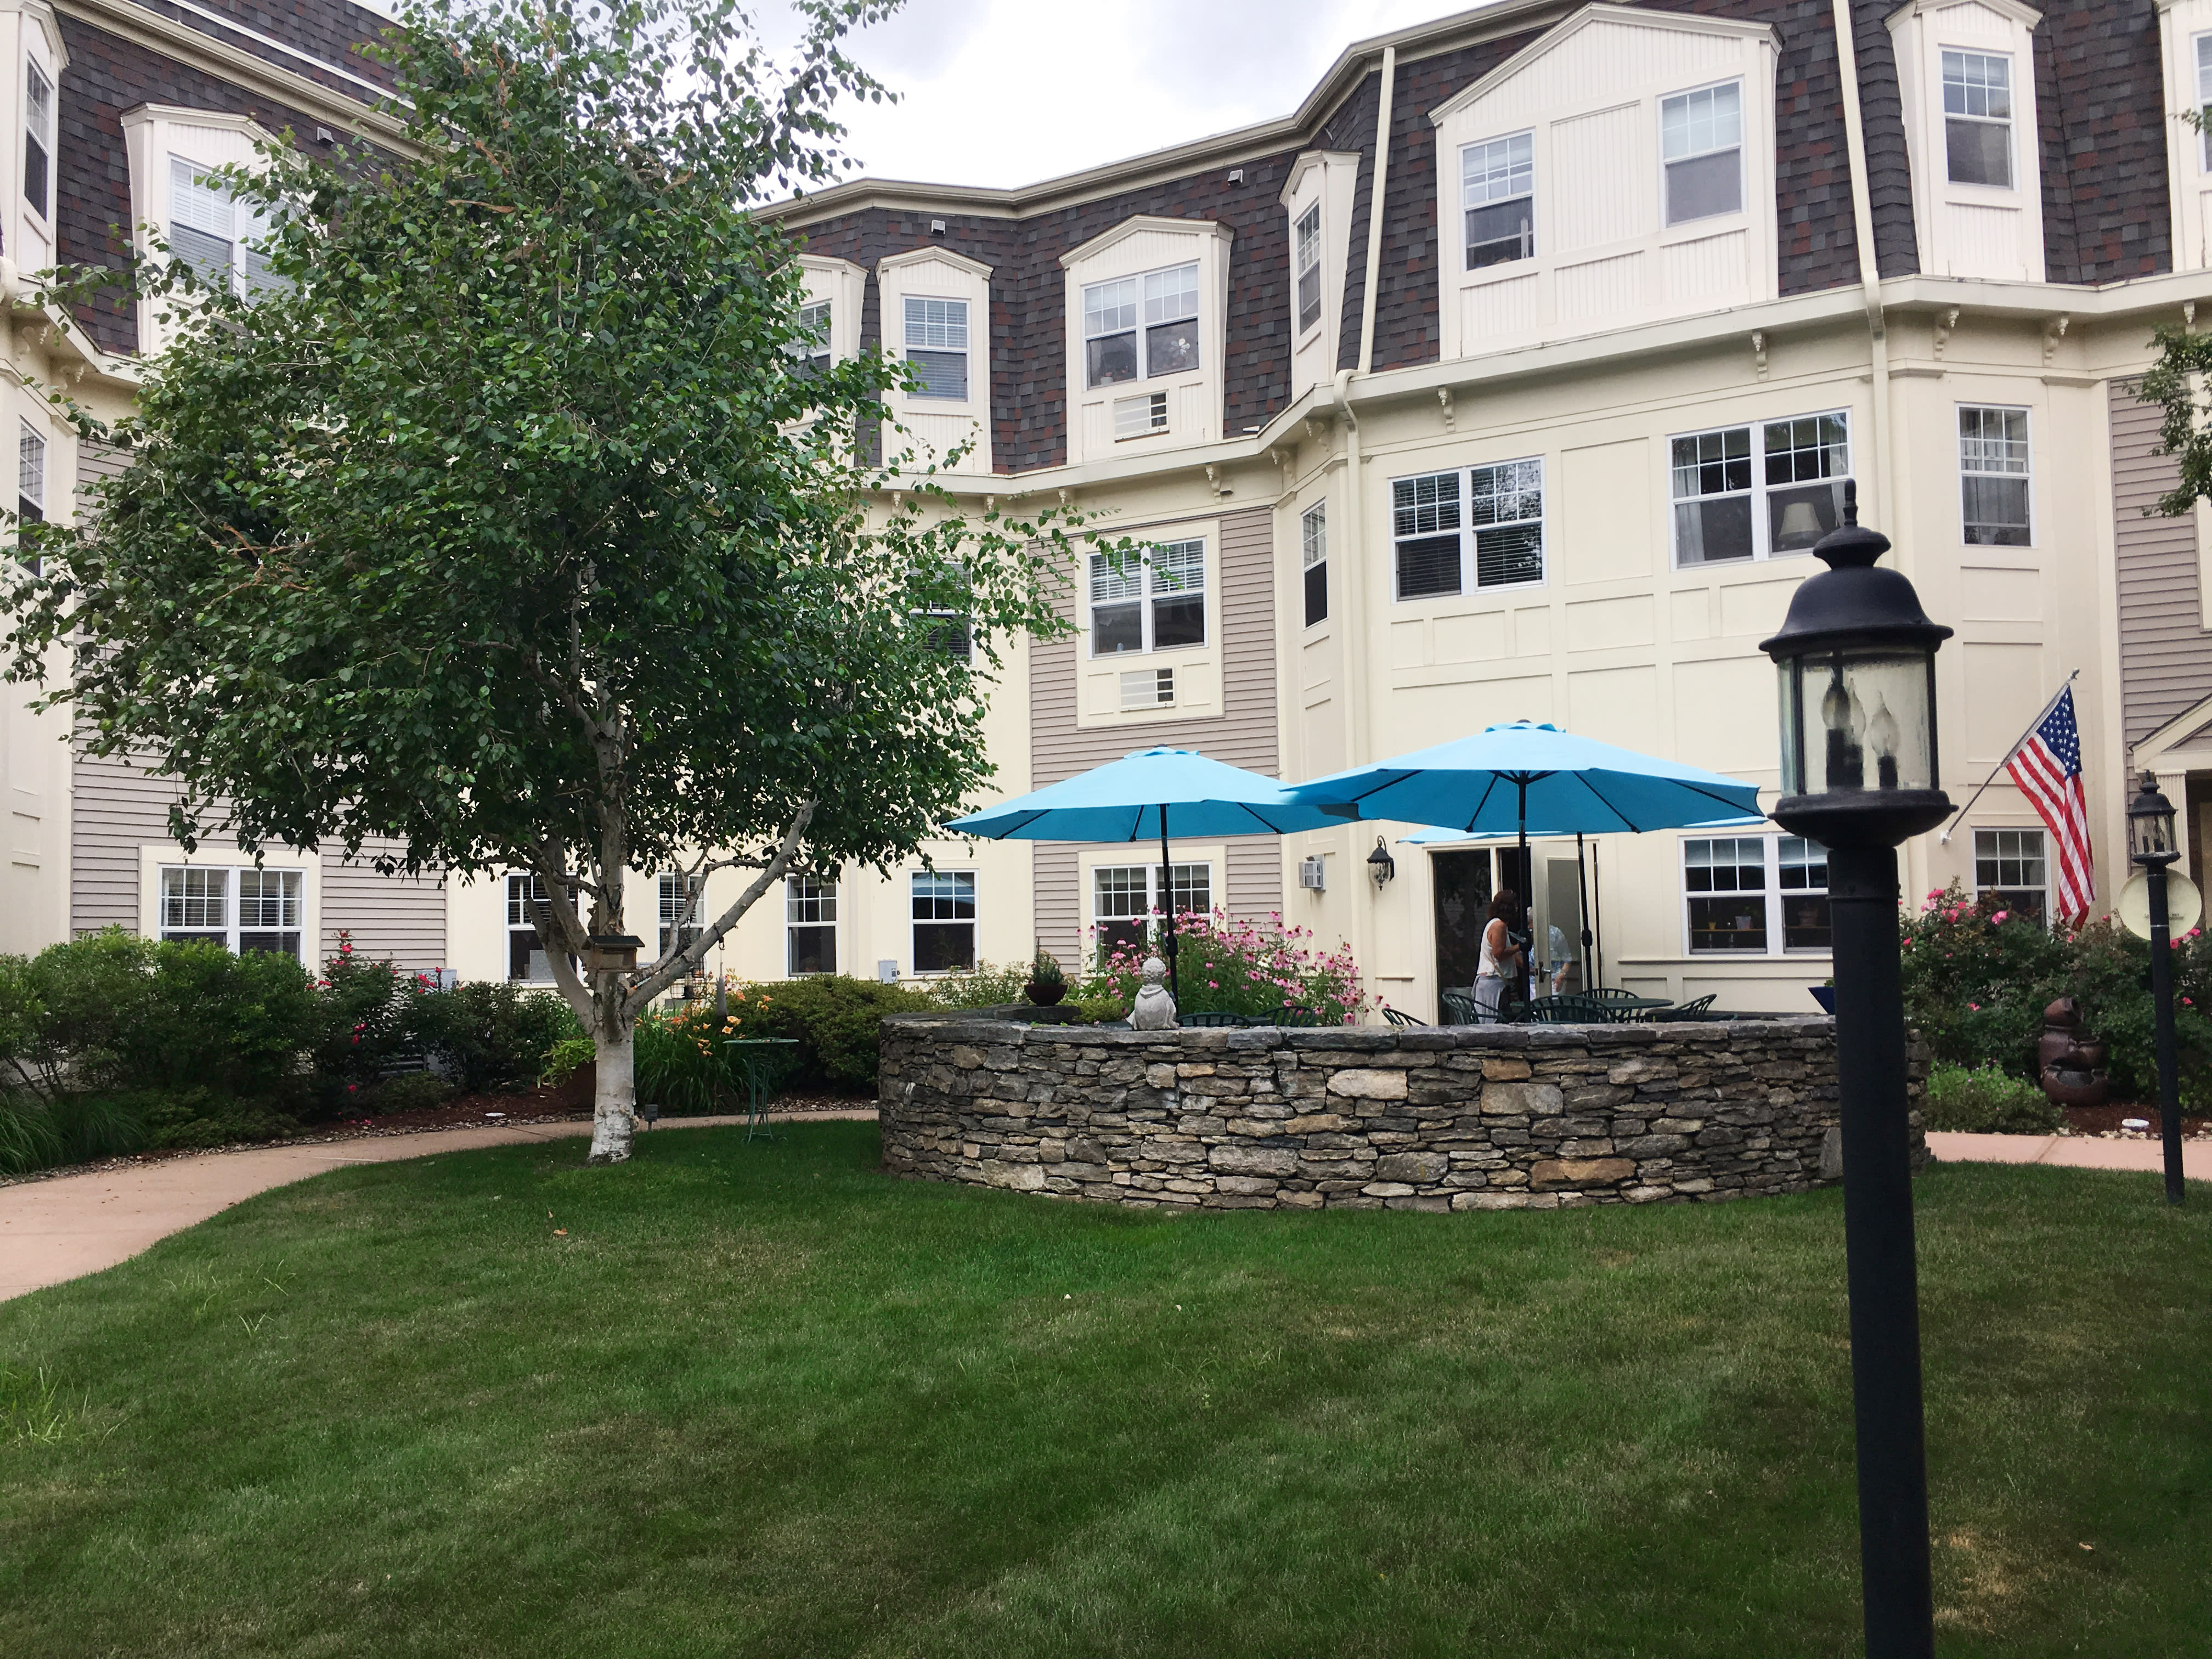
[{"x": 499, "y": 512}]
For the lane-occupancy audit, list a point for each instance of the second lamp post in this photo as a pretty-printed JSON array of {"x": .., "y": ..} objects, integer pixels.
[
  {"x": 1858, "y": 661},
  {"x": 2150, "y": 844}
]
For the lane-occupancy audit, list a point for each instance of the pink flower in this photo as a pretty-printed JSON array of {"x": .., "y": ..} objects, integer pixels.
[
  {"x": 2000, "y": 915},
  {"x": 1976, "y": 1006}
]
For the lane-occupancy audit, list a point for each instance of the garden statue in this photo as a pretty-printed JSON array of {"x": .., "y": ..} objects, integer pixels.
[
  {"x": 1156, "y": 1009},
  {"x": 2069, "y": 1065}
]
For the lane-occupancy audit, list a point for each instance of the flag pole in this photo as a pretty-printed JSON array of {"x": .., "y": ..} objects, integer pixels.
[{"x": 1944, "y": 839}]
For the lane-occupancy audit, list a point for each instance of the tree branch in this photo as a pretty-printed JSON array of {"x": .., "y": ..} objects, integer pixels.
[{"x": 685, "y": 961}]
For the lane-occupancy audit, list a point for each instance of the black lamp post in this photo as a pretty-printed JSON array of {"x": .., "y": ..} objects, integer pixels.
[
  {"x": 1857, "y": 660},
  {"x": 2150, "y": 844}
]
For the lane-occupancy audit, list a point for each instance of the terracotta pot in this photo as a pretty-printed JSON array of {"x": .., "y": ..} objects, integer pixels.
[{"x": 1042, "y": 994}]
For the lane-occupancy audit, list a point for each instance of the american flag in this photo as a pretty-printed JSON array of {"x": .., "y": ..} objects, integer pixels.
[{"x": 2047, "y": 766}]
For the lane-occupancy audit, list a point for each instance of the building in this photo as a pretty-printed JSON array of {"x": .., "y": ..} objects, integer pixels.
[{"x": 1511, "y": 375}]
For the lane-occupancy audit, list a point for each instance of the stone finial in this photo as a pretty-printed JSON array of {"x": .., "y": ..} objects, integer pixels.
[{"x": 1156, "y": 1009}]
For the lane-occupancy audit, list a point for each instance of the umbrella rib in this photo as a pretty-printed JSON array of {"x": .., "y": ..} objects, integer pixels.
[
  {"x": 1633, "y": 825},
  {"x": 1487, "y": 790}
]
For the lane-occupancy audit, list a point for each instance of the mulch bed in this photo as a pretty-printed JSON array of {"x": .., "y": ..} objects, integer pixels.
[{"x": 2105, "y": 1121}]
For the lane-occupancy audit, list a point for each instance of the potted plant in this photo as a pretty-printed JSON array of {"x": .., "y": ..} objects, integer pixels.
[{"x": 1047, "y": 983}]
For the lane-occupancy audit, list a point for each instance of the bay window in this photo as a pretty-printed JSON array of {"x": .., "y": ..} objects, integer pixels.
[
  {"x": 1701, "y": 143},
  {"x": 1993, "y": 476},
  {"x": 937, "y": 346},
  {"x": 1154, "y": 600},
  {"x": 1736, "y": 498},
  {"x": 1978, "y": 118},
  {"x": 1307, "y": 267},
  {"x": 1160, "y": 306},
  {"x": 1498, "y": 185},
  {"x": 1455, "y": 533}
]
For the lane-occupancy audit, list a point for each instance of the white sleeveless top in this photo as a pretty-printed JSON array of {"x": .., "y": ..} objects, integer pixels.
[{"x": 1486, "y": 966}]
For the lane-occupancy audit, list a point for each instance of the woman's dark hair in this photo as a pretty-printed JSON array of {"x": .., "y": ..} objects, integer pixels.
[{"x": 1505, "y": 908}]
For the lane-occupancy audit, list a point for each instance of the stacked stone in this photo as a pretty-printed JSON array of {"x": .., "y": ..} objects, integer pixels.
[{"x": 1435, "y": 1118}]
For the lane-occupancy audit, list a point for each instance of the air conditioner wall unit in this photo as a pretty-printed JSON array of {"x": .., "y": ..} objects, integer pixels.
[{"x": 1313, "y": 873}]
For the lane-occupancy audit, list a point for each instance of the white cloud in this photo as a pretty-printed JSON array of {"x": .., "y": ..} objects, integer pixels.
[{"x": 1008, "y": 92}]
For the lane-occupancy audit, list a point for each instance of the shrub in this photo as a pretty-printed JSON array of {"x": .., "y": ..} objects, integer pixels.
[
  {"x": 565, "y": 1058},
  {"x": 1977, "y": 980},
  {"x": 202, "y": 1118},
  {"x": 491, "y": 1036},
  {"x": 410, "y": 1092},
  {"x": 1987, "y": 1100},
  {"x": 367, "y": 1019},
  {"x": 1225, "y": 965},
  {"x": 836, "y": 1020},
  {"x": 980, "y": 987}
]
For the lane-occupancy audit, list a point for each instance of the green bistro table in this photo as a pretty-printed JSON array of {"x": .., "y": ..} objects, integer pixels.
[{"x": 764, "y": 1060}]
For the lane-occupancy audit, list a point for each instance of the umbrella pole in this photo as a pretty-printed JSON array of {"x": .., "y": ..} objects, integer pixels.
[
  {"x": 1526, "y": 879},
  {"x": 1581, "y": 898},
  {"x": 1167, "y": 908},
  {"x": 1597, "y": 912}
]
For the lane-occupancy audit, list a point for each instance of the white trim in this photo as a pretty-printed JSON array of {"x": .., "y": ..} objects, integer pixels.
[
  {"x": 911, "y": 921},
  {"x": 154, "y": 857},
  {"x": 1137, "y": 223},
  {"x": 1771, "y": 899},
  {"x": 838, "y": 897}
]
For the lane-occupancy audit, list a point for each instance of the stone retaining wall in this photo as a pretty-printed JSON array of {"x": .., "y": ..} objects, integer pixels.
[{"x": 1433, "y": 1118}]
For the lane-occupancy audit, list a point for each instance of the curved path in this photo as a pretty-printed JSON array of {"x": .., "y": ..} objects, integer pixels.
[{"x": 58, "y": 1230}]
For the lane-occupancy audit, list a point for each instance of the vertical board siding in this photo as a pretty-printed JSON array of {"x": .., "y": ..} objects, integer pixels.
[
  {"x": 2165, "y": 655},
  {"x": 1243, "y": 734}
]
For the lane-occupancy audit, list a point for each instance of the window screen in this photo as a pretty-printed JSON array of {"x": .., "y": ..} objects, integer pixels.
[
  {"x": 937, "y": 345},
  {"x": 1701, "y": 138},
  {"x": 1978, "y": 118}
]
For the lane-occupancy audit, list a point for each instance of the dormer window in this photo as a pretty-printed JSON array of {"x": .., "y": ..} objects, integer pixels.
[
  {"x": 216, "y": 236},
  {"x": 1701, "y": 140},
  {"x": 810, "y": 351},
  {"x": 1168, "y": 302},
  {"x": 1499, "y": 185},
  {"x": 1978, "y": 118},
  {"x": 937, "y": 346},
  {"x": 1307, "y": 267},
  {"x": 38, "y": 139},
  {"x": 2204, "y": 97}
]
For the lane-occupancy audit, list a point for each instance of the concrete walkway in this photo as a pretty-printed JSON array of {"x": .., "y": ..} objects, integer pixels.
[
  {"x": 2071, "y": 1151},
  {"x": 63, "y": 1229}
]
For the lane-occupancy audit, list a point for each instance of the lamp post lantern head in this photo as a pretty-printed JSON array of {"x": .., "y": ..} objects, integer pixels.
[
  {"x": 1381, "y": 865},
  {"x": 2150, "y": 826},
  {"x": 1858, "y": 661}
]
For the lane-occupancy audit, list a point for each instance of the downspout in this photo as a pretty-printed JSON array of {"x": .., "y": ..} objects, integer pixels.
[
  {"x": 1847, "y": 63},
  {"x": 1357, "y": 652}
]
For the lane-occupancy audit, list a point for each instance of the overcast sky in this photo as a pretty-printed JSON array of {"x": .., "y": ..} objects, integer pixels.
[{"x": 1008, "y": 92}]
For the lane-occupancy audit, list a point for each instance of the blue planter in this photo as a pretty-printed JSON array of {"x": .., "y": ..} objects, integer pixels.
[{"x": 1825, "y": 995}]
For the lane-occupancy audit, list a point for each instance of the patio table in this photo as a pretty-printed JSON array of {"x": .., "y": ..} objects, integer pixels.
[{"x": 764, "y": 1061}]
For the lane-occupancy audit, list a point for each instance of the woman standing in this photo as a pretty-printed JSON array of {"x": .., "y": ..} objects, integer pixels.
[{"x": 1500, "y": 955}]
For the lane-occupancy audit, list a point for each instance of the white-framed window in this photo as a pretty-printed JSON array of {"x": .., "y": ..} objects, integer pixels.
[
  {"x": 1498, "y": 189},
  {"x": 527, "y": 961},
  {"x": 937, "y": 345},
  {"x": 1125, "y": 902},
  {"x": 1306, "y": 264},
  {"x": 810, "y": 353},
  {"x": 1480, "y": 527},
  {"x": 1313, "y": 556},
  {"x": 1978, "y": 118},
  {"x": 2204, "y": 99},
  {"x": 1750, "y": 492},
  {"x": 2012, "y": 867},
  {"x": 216, "y": 236},
  {"x": 943, "y": 920},
  {"x": 1701, "y": 149},
  {"x": 950, "y": 632},
  {"x": 1154, "y": 600},
  {"x": 1754, "y": 895},
  {"x": 31, "y": 473},
  {"x": 810, "y": 924},
  {"x": 38, "y": 139},
  {"x": 1994, "y": 475},
  {"x": 1160, "y": 306},
  {"x": 681, "y": 897},
  {"x": 242, "y": 910}
]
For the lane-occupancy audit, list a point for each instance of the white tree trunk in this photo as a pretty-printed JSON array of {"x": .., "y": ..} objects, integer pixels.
[{"x": 614, "y": 1106}]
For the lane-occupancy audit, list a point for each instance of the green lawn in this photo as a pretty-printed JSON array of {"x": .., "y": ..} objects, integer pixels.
[{"x": 761, "y": 1399}]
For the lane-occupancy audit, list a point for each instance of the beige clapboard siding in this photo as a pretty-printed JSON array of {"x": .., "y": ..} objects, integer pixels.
[
  {"x": 117, "y": 808},
  {"x": 1243, "y": 734},
  {"x": 2165, "y": 654}
]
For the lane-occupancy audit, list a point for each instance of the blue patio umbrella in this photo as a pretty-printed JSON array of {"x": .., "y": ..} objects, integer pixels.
[
  {"x": 1519, "y": 775},
  {"x": 1151, "y": 793}
]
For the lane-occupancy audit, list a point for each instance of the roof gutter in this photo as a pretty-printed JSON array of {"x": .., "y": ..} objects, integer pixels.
[{"x": 1374, "y": 210}]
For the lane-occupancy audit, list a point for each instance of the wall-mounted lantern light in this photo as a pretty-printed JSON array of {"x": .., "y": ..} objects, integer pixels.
[{"x": 1381, "y": 865}]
